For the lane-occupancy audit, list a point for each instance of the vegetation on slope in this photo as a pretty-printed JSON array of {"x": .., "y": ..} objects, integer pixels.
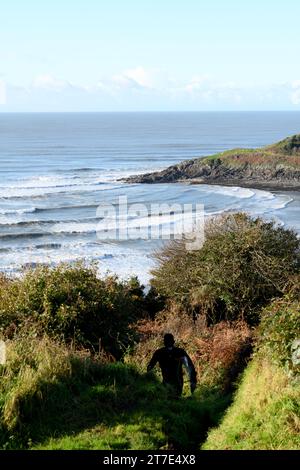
[
  {"x": 77, "y": 348},
  {"x": 242, "y": 265},
  {"x": 266, "y": 410},
  {"x": 71, "y": 304},
  {"x": 285, "y": 153},
  {"x": 265, "y": 413},
  {"x": 52, "y": 397}
]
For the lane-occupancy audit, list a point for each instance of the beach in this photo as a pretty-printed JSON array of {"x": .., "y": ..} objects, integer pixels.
[{"x": 57, "y": 169}]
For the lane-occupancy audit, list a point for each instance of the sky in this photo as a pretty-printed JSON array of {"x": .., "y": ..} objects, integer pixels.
[{"x": 141, "y": 55}]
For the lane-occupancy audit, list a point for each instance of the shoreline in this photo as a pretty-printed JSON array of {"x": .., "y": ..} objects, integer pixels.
[
  {"x": 239, "y": 183},
  {"x": 272, "y": 187}
]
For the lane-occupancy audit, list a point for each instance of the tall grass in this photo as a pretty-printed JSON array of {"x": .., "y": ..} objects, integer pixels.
[
  {"x": 40, "y": 375},
  {"x": 55, "y": 398},
  {"x": 265, "y": 413}
]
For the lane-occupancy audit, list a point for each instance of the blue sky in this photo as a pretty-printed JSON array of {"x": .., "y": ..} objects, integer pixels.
[{"x": 110, "y": 55}]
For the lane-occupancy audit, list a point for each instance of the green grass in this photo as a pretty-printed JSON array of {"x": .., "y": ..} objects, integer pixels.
[
  {"x": 116, "y": 406},
  {"x": 127, "y": 410},
  {"x": 264, "y": 415},
  {"x": 284, "y": 154},
  {"x": 241, "y": 158},
  {"x": 55, "y": 398}
]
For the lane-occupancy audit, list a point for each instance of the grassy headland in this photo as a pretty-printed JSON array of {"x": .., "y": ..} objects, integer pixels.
[{"x": 275, "y": 166}]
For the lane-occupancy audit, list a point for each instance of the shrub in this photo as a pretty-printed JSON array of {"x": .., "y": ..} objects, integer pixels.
[
  {"x": 74, "y": 305},
  {"x": 279, "y": 328},
  {"x": 242, "y": 265},
  {"x": 219, "y": 352}
]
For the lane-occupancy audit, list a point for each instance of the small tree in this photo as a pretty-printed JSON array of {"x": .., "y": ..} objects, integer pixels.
[{"x": 242, "y": 265}]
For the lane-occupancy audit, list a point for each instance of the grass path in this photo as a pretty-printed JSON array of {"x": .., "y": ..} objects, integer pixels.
[{"x": 124, "y": 410}]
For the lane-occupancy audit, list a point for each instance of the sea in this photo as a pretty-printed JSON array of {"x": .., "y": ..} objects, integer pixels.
[{"x": 57, "y": 169}]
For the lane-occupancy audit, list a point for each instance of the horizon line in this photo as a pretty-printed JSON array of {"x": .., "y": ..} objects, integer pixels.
[{"x": 157, "y": 111}]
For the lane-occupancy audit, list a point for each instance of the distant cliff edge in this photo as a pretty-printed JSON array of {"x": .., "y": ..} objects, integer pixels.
[{"x": 275, "y": 166}]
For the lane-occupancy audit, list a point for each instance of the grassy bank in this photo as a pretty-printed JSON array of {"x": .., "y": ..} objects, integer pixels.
[{"x": 265, "y": 413}]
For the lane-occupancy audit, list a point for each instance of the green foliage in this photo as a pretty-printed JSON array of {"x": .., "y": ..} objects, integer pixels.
[
  {"x": 282, "y": 153},
  {"x": 265, "y": 413},
  {"x": 154, "y": 302},
  {"x": 34, "y": 368},
  {"x": 288, "y": 146},
  {"x": 279, "y": 328},
  {"x": 56, "y": 392},
  {"x": 74, "y": 305},
  {"x": 219, "y": 352},
  {"x": 243, "y": 264},
  {"x": 57, "y": 398}
]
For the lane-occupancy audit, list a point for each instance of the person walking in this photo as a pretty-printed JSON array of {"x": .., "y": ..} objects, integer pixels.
[{"x": 171, "y": 361}]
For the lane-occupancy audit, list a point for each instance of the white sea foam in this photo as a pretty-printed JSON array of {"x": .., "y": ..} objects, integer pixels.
[
  {"x": 111, "y": 258},
  {"x": 242, "y": 193},
  {"x": 264, "y": 202},
  {"x": 75, "y": 178},
  {"x": 74, "y": 227},
  {"x": 282, "y": 202},
  {"x": 30, "y": 192},
  {"x": 24, "y": 210}
]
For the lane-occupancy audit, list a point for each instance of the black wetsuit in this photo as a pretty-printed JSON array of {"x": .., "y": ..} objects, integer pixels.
[{"x": 171, "y": 361}]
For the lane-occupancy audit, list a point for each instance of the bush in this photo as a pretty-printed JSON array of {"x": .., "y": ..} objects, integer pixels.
[
  {"x": 219, "y": 352},
  {"x": 72, "y": 304},
  {"x": 279, "y": 328},
  {"x": 243, "y": 264}
]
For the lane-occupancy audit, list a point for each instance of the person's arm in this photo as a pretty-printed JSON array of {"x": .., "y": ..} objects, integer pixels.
[
  {"x": 153, "y": 361},
  {"x": 188, "y": 364}
]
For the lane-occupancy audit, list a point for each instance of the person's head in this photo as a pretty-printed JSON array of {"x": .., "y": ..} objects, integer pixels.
[{"x": 169, "y": 340}]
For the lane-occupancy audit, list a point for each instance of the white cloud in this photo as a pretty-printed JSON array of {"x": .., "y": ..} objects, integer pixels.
[
  {"x": 140, "y": 88},
  {"x": 295, "y": 97},
  {"x": 295, "y": 94},
  {"x": 48, "y": 82},
  {"x": 295, "y": 84},
  {"x": 123, "y": 81},
  {"x": 140, "y": 76},
  {"x": 131, "y": 79},
  {"x": 2, "y": 92},
  {"x": 205, "y": 90},
  {"x": 197, "y": 83}
]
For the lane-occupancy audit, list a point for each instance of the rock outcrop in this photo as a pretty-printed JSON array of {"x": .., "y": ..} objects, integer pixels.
[{"x": 274, "y": 167}]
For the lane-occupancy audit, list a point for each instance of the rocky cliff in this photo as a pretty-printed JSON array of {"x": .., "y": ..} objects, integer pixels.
[{"x": 274, "y": 167}]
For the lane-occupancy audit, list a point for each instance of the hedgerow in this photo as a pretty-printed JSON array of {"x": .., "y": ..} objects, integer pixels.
[{"x": 72, "y": 304}]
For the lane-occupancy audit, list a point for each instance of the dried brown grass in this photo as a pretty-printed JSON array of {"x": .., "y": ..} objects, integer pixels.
[{"x": 219, "y": 352}]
